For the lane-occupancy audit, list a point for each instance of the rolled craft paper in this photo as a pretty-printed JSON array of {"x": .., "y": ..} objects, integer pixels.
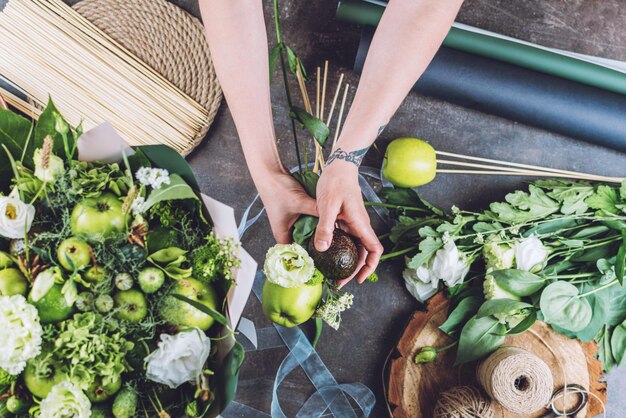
[
  {"x": 530, "y": 97},
  {"x": 597, "y": 72}
]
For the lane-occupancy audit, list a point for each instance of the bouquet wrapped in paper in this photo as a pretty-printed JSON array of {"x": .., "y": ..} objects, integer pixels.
[{"x": 120, "y": 284}]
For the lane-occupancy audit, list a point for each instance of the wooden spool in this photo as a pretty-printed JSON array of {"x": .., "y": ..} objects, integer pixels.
[{"x": 413, "y": 389}]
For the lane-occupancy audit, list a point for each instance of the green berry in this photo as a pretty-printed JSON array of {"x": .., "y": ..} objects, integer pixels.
[
  {"x": 85, "y": 301},
  {"x": 104, "y": 303},
  {"x": 125, "y": 404},
  {"x": 124, "y": 281},
  {"x": 17, "y": 405},
  {"x": 151, "y": 279}
]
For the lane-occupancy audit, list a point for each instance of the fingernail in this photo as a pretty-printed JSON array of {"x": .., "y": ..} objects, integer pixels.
[{"x": 322, "y": 245}]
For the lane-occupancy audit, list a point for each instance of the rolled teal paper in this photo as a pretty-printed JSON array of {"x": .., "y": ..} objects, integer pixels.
[{"x": 369, "y": 12}]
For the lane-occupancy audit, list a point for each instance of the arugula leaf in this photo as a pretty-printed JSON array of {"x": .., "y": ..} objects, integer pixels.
[
  {"x": 525, "y": 207},
  {"x": 465, "y": 309},
  {"x": 571, "y": 194},
  {"x": 315, "y": 126},
  {"x": 428, "y": 247},
  {"x": 622, "y": 190},
  {"x": 605, "y": 198},
  {"x": 479, "y": 337}
]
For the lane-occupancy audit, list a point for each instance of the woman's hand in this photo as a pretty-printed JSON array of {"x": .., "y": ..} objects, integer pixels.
[
  {"x": 339, "y": 201},
  {"x": 285, "y": 200}
]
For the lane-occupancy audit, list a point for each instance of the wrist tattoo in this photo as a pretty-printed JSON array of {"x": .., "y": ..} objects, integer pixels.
[{"x": 354, "y": 157}]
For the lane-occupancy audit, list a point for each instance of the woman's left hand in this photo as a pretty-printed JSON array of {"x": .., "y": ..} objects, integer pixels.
[{"x": 339, "y": 201}]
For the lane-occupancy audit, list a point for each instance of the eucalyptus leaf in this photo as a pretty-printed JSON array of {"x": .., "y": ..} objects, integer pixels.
[
  {"x": 501, "y": 306},
  {"x": 561, "y": 305},
  {"x": 303, "y": 229},
  {"x": 518, "y": 282},
  {"x": 315, "y": 126},
  {"x": 479, "y": 337},
  {"x": 463, "y": 311},
  {"x": 178, "y": 189},
  {"x": 618, "y": 343}
]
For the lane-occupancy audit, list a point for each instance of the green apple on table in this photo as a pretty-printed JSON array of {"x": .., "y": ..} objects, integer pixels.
[
  {"x": 180, "y": 313},
  {"x": 409, "y": 162},
  {"x": 290, "y": 306},
  {"x": 99, "y": 218}
]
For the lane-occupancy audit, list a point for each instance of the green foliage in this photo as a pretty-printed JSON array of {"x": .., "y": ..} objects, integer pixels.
[
  {"x": 518, "y": 282},
  {"x": 216, "y": 258},
  {"x": 308, "y": 179},
  {"x": 525, "y": 207},
  {"x": 315, "y": 126},
  {"x": 178, "y": 189},
  {"x": 93, "y": 179},
  {"x": 427, "y": 249},
  {"x": 317, "y": 278},
  {"x": 304, "y": 229},
  {"x": 605, "y": 198},
  {"x": 561, "y": 305},
  {"x": 459, "y": 316},
  {"x": 479, "y": 337}
]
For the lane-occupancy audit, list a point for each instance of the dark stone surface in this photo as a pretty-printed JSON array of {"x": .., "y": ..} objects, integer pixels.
[{"x": 357, "y": 351}]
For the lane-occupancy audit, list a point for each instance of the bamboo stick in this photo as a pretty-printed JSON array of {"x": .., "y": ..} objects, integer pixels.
[
  {"x": 340, "y": 121},
  {"x": 516, "y": 173},
  {"x": 324, "y": 90},
  {"x": 334, "y": 102}
]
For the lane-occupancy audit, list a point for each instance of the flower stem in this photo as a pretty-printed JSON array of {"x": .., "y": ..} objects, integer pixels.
[
  {"x": 398, "y": 253},
  {"x": 591, "y": 292},
  {"x": 447, "y": 347},
  {"x": 389, "y": 205}
]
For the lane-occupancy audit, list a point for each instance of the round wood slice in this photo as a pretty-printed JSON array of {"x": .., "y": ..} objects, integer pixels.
[{"x": 415, "y": 388}]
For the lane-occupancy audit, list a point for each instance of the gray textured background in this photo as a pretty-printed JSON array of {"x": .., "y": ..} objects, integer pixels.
[{"x": 356, "y": 352}]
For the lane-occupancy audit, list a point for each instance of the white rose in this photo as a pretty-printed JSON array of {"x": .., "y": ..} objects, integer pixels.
[
  {"x": 530, "y": 254},
  {"x": 180, "y": 358},
  {"x": 288, "y": 265},
  {"x": 50, "y": 170},
  {"x": 420, "y": 283},
  {"x": 20, "y": 333},
  {"x": 450, "y": 265},
  {"x": 16, "y": 217}
]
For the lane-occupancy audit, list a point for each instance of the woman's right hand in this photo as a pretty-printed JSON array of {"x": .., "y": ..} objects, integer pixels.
[{"x": 285, "y": 201}]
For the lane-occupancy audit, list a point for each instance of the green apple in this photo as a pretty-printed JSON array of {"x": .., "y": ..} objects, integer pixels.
[
  {"x": 40, "y": 384},
  {"x": 17, "y": 405},
  {"x": 151, "y": 279},
  {"x": 5, "y": 260},
  {"x": 290, "y": 306},
  {"x": 99, "y": 218},
  {"x": 409, "y": 162},
  {"x": 12, "y": 282},
  {"x": 98, "y": 392},
  {"x": 74, "y": 254},
  {"x": 52, "y": 307},
  {"x": 180, "y": 313},
  {"x": 131, "y": 305},
  {"x": 95, "y": 274}
]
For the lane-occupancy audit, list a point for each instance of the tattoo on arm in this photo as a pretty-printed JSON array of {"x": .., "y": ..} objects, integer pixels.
[{"x": 354, "y": 157}]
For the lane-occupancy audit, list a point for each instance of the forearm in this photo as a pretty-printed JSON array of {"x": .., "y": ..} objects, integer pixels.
[
  {"x": 408, "y": 36},
  {"x": 237, "y": 39}
]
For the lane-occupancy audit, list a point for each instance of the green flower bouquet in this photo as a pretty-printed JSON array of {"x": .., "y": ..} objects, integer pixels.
[{"x": 120, "y": 284}]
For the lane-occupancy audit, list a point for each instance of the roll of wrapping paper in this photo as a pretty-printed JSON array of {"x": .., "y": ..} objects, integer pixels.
[
  {"x": 519, "y": 94},
  {"x": 593, "y": 71}
]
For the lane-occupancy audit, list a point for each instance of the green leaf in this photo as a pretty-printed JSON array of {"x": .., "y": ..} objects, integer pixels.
[
  {"x": 219, "y": 317},
  {"x": 525, "y": 207},
  {"x": 620, "y": 259},
  {"x": 604, "y": 352},
  {"x": 303, "y": 229},
  {"x": 178, "y": 189},
  {"x": 617, "y": 306},
  {"x": 315, "y": 126},
  {"x": 465, "y": 309},
  {"x": 571, "y": 194},
  {"x": 408, "y": 197},
  {"x": 308, "y": 179},
  {"x": 605, "y": 198},
  {"x": 226, "y": 378},
  {"x": 501, "y": 306},
  {"x": 479, "y": 337},
  {"x": 600, "y": 303},
  {"x": 525, "y": 324},
  {"x": 292, "y": 59},
  {"x": 622, "y": 190},
  {"x": 618, "y": 343},
  {"x": 518, "y": 282},
  {"x": 550, "y": 227},
  {"x": 561, "y": 306},
  {"x": 46, "y": 126},
  {"x": 167, "y": 255},
  {"x": 319, "y": 326},
  {"x": 273, "y": 57},
  {"x": 165, "y": 157},
  {"x": 428, "y": 247},
  {"x": 590, "y": 231},
  {"x": 15, "y": 132}
]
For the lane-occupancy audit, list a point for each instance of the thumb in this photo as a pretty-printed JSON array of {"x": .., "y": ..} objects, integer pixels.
[{"x": 326, "y": 226}]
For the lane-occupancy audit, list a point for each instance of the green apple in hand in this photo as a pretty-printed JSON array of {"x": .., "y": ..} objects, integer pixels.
[
  {"x": 180, "y": 313},
  {"x": 74, "y": 254},
  {"x": 290, "y": 306},
  {"x": 99, "y": 218},
  {"x": 409, "y": 162},
  {"x": 12, "y": 282}
]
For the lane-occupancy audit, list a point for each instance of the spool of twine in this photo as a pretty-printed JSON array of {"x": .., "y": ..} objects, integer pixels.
[
  {"x": 463, "y": 402},
  {"x": 518, "y": 380}
]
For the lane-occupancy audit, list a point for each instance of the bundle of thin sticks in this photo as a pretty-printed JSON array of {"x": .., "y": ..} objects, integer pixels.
[
  {"x": 49, "y": 50},
  {"x": 468, "y": 164}
]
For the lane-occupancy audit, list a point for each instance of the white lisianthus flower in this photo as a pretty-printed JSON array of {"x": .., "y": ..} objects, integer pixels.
[
  {"x": 20, "y": 333},
  {"x": 420, "y": 283},
  {"x": 498, "y": 256},
  {"x": 16, "y": 217},
  {"x": 450, "y": 265},
  {"x": 180, "y": 358},
  {"x": 288, "y": 265},
  {"x": 531, "y": 254},
  {"x": 65, "y": 400},
  {"x": 47, "y": 171}
]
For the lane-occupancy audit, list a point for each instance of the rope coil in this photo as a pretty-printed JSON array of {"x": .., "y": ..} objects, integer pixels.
[{"x": 463, "y": 402}]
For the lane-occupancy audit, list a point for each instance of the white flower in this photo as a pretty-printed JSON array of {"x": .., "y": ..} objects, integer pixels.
[
  {"x": 331, "y": 310},
  {"x": 50, "y": 170},
  {"x": 64, "y": 401},
  {"x": 530, "y": 254},
  {"x": 20, "y": 333},
  {"x": 448, "y": 265},
  {"x": 138, "y": 205},
  {"x": 498, "y": 256},
  {"x": 288, "y": 265},
  {"x": 16, "y": 217},
  {"x": 153, "y": 177},
  {"x": 180, "y": 358}
]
